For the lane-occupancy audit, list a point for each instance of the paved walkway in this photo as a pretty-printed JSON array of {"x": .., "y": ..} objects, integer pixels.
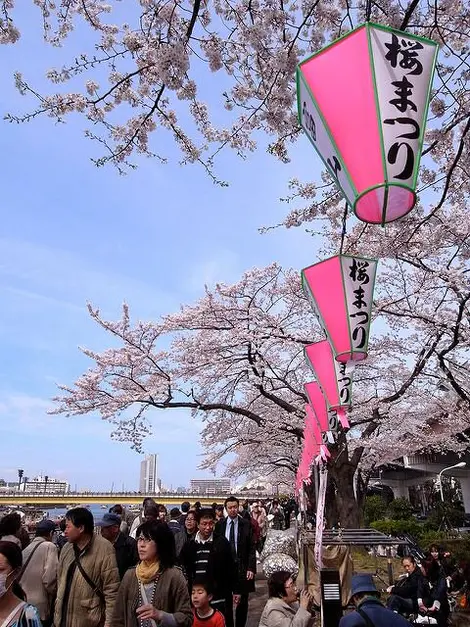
[{"x": 257, "y": 601}]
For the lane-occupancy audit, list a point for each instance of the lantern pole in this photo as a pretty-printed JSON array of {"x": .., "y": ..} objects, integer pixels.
[{"x": 315, "y": 482}]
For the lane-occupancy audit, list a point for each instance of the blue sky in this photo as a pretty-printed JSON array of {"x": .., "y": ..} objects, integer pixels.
[{"x": 72, "y": 233}]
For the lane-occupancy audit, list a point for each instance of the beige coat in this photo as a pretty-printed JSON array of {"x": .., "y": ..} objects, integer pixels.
[
  {"x": 277, "y": 613},
  {"x": 39, "y": 580},
  {"x": 84, "y": 608}
]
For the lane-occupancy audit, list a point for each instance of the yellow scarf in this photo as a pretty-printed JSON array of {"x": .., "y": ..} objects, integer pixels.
[{"x": 147, "y": 571}]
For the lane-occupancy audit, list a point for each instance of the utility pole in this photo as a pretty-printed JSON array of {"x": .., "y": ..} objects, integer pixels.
[{"x": 20, "y": 476}]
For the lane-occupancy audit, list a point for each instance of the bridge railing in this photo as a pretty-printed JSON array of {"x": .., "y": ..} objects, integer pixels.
[{"x": 157, "y": 495}]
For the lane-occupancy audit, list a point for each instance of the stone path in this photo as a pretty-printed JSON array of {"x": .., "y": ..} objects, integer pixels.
[{"x": 257, "y": 601}]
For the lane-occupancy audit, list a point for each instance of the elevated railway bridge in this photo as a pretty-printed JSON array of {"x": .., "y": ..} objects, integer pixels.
[{"x": 68, "y": 499}]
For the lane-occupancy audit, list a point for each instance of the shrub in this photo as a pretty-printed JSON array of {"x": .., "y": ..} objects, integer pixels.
[
  {"x": 398, "y": 527},
  {"x": 400, "y": 509},
  {"x": 375, "y": 508}
]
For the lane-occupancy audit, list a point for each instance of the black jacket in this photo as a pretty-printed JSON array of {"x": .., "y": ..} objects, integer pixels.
[
  {"x": 246, "y": 552},
  {"x": 407, "y": 588},
  {"x": 220, "y": 570},
  {"x": 126, "y": 553}
]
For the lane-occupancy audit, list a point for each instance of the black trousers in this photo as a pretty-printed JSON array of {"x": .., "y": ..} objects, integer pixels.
[
  {"x": 400, "y": 605},
  {"x": 241, "y": 612}
]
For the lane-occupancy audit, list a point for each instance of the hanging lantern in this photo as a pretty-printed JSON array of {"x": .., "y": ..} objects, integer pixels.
[
  {"x": 327, "y": 420},
  {"x": 363, "y": 103},
  {"x": 340, "y": 291},
  {"x": 333, "y": 377},
  {"x": 320, "y": 439},
  {"x": 310, "y": 451}
]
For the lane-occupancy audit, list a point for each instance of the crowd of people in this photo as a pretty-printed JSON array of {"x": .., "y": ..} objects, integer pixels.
[
  {"x": 190, "y": 566},
  {"x": 194, "y": 565}
]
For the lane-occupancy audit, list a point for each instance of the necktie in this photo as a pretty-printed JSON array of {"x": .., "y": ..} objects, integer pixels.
[{"x": 233, "y": 545}]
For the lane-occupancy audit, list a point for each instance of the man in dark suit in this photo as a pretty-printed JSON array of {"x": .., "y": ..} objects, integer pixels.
[{"x": 238, "y": 532}]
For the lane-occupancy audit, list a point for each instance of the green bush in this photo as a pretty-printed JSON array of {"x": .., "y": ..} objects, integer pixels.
[
  {"x": 454, "y": 515},
  {"x": 397, "y": 527},
  {"x": 400, "y": 509},
  {"x": 375, "y": 508}
]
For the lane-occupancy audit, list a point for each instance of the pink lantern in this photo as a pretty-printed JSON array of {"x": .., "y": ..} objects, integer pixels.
[
  {"x": 340, "y": 291},
  {"x": 327, "y": 421},
  {"x": 363, "y": 103},
  {"x": 311, "y": 421},
  {"x": 310, "y": 451},
  {"x": 335, "y": 382}
]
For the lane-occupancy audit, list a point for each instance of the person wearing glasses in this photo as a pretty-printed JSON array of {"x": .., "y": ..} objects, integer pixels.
[
  {"x": 283, "y": 608},
  {"x": 155, "y": 591}
]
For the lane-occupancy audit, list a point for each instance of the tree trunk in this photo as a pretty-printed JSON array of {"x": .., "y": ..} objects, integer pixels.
[{"x": 348, "y": 508}]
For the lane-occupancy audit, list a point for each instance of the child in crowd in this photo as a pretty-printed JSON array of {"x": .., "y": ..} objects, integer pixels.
[{"x": 204, "y": 614}]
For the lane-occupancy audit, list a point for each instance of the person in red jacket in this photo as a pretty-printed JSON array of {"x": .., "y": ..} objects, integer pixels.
[{"x": 204, "y": 614}]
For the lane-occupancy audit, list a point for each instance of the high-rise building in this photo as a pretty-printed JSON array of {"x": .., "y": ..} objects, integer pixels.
[
  {"x": 149, "y": 482},
  {"x": 210, "y": 486}
]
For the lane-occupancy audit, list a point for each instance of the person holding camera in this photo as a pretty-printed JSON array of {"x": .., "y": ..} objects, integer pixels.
[{"x": 284, "y": 608}]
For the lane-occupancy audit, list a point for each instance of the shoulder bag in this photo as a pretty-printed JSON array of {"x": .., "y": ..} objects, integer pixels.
[
  {"x": 89, "y": 580},
  {"x": 367, "y": 620},
  {"x": 25, "y": 565}
]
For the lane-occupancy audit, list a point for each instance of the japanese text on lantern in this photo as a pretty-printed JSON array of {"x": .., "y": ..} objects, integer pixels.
[
  {"x": 344, "y": 383},
  {"x": 403, "y": 67},
  {"x": 358, "y": 276},
  {"x": 404, "y": 53}
]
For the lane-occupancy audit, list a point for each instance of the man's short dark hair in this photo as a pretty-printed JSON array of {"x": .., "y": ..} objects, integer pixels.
[
  {"x": 10, "y": 524},
  {"x": 147, "y": 501},
  {"x": 81, "y": 517},
  {"x": 117, "y": 509},
  {"x": 185, "y": 507},
  {"x": 219, "y": 508},
  {"x": 231, "y": 499},
  {"x": 203, "y": 582},
  {"x": 277, "y": 583},
  {"x": 205, "y": 512},
  {"x": 175, "y": 513}
]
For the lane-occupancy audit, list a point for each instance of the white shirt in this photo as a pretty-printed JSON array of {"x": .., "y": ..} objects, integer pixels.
[
  {"x": 201, "y": 540},
  {"x": 235, "y": 528}
]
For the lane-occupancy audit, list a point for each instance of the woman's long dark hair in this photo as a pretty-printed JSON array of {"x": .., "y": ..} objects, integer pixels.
[
  {"x": 12, "y": 553},
  {"x": 163, "y": 537}
]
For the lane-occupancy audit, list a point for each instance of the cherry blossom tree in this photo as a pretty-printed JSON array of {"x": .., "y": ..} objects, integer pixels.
[
  {"x": 145, "y": 68},
  {"x": 236, "y": 358}
]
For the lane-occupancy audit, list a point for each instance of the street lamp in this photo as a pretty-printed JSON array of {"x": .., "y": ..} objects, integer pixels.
[{"x": 459, "y": 465}]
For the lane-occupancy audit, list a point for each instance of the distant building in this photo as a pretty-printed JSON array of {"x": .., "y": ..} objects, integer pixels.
[
  {"x": 44, "y": 485},
  {"x": 149, "y": 482},
  {"x": 210, "y": 486}
]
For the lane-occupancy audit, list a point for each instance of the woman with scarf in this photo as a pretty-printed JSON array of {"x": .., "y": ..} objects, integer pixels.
[{"x": 155, "y": 591}]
